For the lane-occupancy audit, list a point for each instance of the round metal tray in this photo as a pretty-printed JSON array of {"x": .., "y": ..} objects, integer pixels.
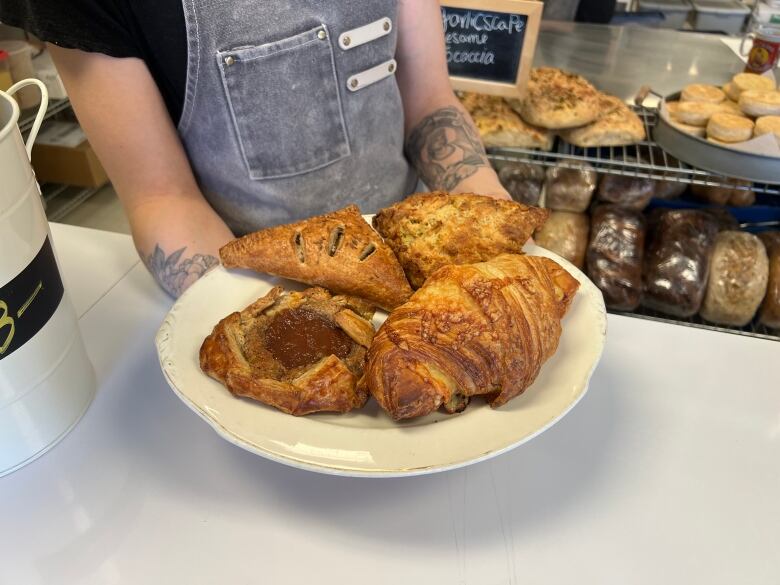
[{"x": 713, "y": 157}]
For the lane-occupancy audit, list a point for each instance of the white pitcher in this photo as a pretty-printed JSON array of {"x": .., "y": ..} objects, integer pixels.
[{"x": 46, "y": 379}]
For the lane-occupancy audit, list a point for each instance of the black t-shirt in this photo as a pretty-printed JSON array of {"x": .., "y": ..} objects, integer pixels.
[{"x": 152, "y": 30}]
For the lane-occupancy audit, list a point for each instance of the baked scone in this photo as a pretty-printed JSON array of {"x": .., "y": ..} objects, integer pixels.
[
  {"x": 556, "y": 99},
  {"x": 759, "y": 102},
  {"x": 699, "y": 131},
  {"x": 729, "y": 128},
  {"x": 748, "y": 81},
  {"x": 430, "y": 230},
  {"x": 696, "y": 113},
  {"x": 480, "y": 329},
  {"x": 768, "y": 125},
  {"x": 300, "y": 352},
  {"x": 730, "y": 107},
  {"x": 700, "y": 92},
  {"x": 739, "y": 269},
  {"x": 620, "y": 126},
  {"x": 500, "y": 126},
  {"x": 732, "y": 91},
  {"x": 338, "y": 251},
  {"x": 566, "y": 234}
]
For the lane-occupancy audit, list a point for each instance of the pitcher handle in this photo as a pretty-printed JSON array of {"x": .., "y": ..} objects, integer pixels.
[{"x": 41, "y": 109}]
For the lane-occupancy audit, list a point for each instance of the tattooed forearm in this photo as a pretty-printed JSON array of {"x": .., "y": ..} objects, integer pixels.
[
  {"x": 445, "y": 149},
  {"x": 174, "y": 273}
]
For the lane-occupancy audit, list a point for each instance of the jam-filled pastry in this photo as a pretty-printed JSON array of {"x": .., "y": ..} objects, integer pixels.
[
  {"x": 430, "y": 230},
  {"x": 338, "y": 251},
  {"x": 300, "y": 352},
  {"x": 478, "y": 329}
]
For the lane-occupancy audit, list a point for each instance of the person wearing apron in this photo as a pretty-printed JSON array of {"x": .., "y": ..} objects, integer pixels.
[{"x": 292, "y": 109}]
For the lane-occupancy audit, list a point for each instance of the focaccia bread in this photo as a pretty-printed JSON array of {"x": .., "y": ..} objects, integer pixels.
[
  {"x": 430, "y": 230},
  {"x": 338, "y": 251},
  {"x": 614, "y": 255},
  {"x": 566, "y": 234},
  {"x": 556, "y": 99},
  {"x": 618, "y": 126},
  {"x": 677, "y": 261},
  {"x": 475, "y": 330},
  {"x": 500, "y": 126},
  {"x": 739, "y": 270},
  {"x": 298, "y": 352},
  {"x": 770, "y": 307}
]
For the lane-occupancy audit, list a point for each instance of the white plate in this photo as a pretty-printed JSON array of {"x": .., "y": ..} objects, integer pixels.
[{"x": 367, "y": 442}]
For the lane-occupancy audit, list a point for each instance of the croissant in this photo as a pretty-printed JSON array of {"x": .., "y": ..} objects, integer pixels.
[
  {"x": 300, "y": 352},
  {"x": 477, "y": 329}
]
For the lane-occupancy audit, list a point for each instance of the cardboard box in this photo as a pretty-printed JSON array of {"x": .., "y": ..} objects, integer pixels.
[{"x": 63, "y": 155}]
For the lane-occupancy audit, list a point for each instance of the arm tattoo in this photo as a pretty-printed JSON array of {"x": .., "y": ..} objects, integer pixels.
[
  {"x": 175, "y": 274},
  {"x": 445, "y": 149}
]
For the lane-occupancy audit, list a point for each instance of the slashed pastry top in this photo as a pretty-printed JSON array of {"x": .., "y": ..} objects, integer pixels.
[
  {"x": 430, "y": 230},
  {"x": 338, "y": 251},
  {"x": 557, "y": 99},
  {"x": 499, "y": 125},
  {"x": 300, "y": 352}
]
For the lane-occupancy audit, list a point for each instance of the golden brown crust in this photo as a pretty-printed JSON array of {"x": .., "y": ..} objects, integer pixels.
[
  {"x": 430, "y": 230},
  {"x": 479, "y": 329},
  {"x": 236, "y": 354},
  {"x": 617, "y": 126},
  {"x": 499, "y": 125},
  {"x": 556, "y": 99},
  {"x": 701, "y": 92},
  {"x": 338, "y": 251}
]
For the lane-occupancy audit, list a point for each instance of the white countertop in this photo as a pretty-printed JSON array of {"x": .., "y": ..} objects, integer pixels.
[{"x": 668, "y": 471}]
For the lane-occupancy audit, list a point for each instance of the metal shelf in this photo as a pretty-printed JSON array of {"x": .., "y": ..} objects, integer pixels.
[
  {"x": 643, "y": 160},
  {"x": 55, "y": 107}
]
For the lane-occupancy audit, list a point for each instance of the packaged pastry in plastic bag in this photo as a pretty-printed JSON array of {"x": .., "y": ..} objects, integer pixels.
[
  {"x": 769, "y": 314},
  {"x": 668, "y": 189},
  {"x": 725, "y": 195},
  {"x": 566, "y": 234},
  {"x": 629, "y": 192},
  {"x": 570, "y": 189},
  {"x": 523, "y": 181},
  {"x": 614, "y": 256},
  {"x": 739, "y": 269},
  {"x": 677, "y": 261}
]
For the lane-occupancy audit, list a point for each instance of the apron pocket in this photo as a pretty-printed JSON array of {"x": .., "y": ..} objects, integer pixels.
[{"x": 285, "y": 104}]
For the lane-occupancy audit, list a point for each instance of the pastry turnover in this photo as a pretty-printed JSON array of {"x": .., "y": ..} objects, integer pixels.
[
  {"x": 338, "y": 251},
  {"x": 478, "y": 329},
  {"x": 299, "y": 352},
  {"x": 430, "y": 230}
]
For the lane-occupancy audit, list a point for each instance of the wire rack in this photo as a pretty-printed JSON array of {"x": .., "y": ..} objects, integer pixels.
[{"x": 644, "y": 160}]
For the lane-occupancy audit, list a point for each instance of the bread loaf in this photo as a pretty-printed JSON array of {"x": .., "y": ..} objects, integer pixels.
[
  {"x": 566, "y": 234},
  {"x": 676, "y": 264},
  {"x": 629, "y": 192},
  {"x": 737, "y": 282},
  {"x": 523, "y": 181},
  {"x": 614, "y": 255},
  {"x": 570, "y": 189},
  {"x": 770, "y": 308}
]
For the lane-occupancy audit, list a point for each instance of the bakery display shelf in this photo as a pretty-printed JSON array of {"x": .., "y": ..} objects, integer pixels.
[
  {"x": 753, "y": 329},
  {"x": 28, "y": 116},
  {"x": 643, "y": 160},
  {"x": 60, "y": 200}
]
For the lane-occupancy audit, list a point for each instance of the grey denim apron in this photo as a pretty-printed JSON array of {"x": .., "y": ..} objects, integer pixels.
[{"x": 292, "y": 108}]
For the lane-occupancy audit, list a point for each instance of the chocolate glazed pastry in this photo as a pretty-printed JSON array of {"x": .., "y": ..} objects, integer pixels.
[
  {"x": 615, "y": 251},
  {"x": 299, "y": 352},
  {"x": 677, "y": 261},
  {"x": 479, "y": 329}
]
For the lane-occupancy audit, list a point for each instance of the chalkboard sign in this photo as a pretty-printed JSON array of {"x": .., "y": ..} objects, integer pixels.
[{"x": 490, "y": 44}]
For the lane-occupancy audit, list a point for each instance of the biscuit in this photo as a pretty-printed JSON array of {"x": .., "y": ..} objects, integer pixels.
[
  {"x": 555, "y": 99},
  {"x": 699, "y": 92},
  {"x": 718, "y": 142},
  {"x": 729, "y": 128},
  {"x": 731, "y": 108},
  {"x": 759, "y": 102},
  {"x": 732, "y": 91},
  {"x": 747, "y": 81},
  {"x": 698, "y": 131},
  {"x": 672, "y": 108},
  {"x": 768, "y": 125},
  {"x": 696, "y": 113}
]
